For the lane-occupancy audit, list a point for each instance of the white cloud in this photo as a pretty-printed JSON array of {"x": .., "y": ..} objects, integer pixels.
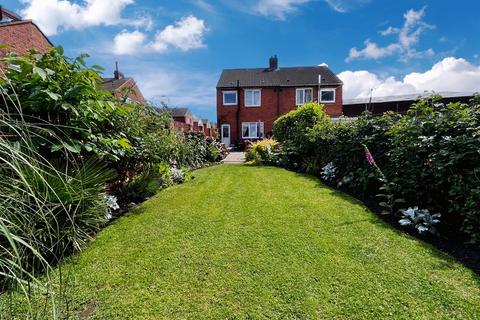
[
  {"x": 126, "y": 42},
  {"x": 407, "y": 37},
  {"x": 186, "y": 34},
  {"x": 344, "y": 6},
  {"x": 449, "y": 74},
  {"x": 372, "y": 50},
  {"x": 52, "y": 16},
  {"x": 278, "y": 9},
  {"x": 204, "y": 5},
  {"x": 179, "y": 88}
]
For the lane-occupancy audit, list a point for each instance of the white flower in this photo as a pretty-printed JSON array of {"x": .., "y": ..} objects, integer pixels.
[{"x": 111, "y": 202}]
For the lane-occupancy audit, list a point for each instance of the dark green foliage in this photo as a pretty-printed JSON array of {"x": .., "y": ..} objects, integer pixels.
[
  {"x": 293, "y": 130},
  {"x": 63, "y": 143},
  {"x": 429, "y": 157},
  {"x": 63, "y": 95}
]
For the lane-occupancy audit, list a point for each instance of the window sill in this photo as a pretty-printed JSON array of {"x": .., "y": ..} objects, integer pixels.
[{"x": 253, "y": 106}]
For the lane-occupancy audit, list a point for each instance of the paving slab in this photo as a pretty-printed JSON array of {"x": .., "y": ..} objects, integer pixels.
[{"x": 235, "y": 158}]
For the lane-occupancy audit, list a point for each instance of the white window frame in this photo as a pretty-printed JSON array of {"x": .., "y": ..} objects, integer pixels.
[
  {"x": 327, "y": 101},
  {"x": 258, "y": 124},
  {"x": 227, "y": 92},
  {"x": 304, "y": 100},
  {"x": 253, "y": 92}
]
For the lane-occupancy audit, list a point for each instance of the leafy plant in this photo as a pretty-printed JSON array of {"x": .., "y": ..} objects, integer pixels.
[
  {"x": 420, "y": 219},
  {"x": 329, "y": 171},
  {"x": 428, "y": 156},
  {"x": 261, "y": 151},
  {"x": 177, "y": 175}
]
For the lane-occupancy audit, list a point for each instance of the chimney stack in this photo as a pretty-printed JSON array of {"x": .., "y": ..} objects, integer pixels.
[
  {"x": 273, "y": 63},
  {"x": 117, "y": 74}
]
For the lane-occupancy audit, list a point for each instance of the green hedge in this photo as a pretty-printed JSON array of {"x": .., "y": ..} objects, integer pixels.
[{"x": 429, "y": 157}]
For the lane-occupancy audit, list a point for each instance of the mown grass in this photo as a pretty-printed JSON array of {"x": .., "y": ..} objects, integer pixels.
[{"x": 244, "y": 242}]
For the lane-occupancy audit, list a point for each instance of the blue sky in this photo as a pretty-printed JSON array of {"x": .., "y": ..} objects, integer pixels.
[{"x": 176, "y": 49}]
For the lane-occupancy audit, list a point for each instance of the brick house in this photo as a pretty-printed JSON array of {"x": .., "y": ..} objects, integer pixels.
[
  {"x": 20, "y": 35},
  {"x": 250, "y": 100},
  {"x": 207, "y": 127},
  {"x": 182, "y": 118},
  {"x": 123, "y": 87},
  {"x": 197, "y": 124}
]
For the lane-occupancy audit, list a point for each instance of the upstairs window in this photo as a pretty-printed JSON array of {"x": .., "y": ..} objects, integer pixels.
[
  {"x": 230, "y": 98},
  {"x": 253, "y": 98},
  {"x": 327, "y": 95},
  {"x": 252, "y": 130},
  {"x": 303, "y": 96}
]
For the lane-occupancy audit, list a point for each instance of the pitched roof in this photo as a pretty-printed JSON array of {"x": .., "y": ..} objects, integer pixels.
[
  {"x": 9, "y": 18},
  {"x": 178, "y": 112},
  {"x": 113, "y": 84},
  {"x": 283, "y": 77},
  {"x": 407, "y": 97}
]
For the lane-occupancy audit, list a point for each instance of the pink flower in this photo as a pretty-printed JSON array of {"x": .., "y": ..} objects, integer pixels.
[{"x": 369, "y": 156}]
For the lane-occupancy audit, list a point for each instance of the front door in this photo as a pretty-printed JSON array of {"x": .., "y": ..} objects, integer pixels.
[{"x": 226, "y": 134}]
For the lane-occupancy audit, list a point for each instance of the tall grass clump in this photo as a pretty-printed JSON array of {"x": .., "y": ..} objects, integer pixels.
[{"x": 48, "y": 209}]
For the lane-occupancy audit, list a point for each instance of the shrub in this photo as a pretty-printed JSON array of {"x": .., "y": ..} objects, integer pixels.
[
  {"x": 261, "y": 152},
  {"x": 63, "y": 143},
  {"x": 293, "y": 129},
  {"x": 63, "y": 95},
  {"x": 428, "y": 156}
]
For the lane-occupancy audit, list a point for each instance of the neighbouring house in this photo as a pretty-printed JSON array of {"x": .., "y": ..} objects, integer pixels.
[
  {"x": 213, "y": 130},
  {"x": 197, "y": 124},
  {"x": 182, "y": 118},
  {"x": 397, "y": 103},
  {"x": 123, "y": 87},
  {"x": 19, "y": 36},
  {"x": 250, "y": 100},
  {"x": 207, "y": 127}
]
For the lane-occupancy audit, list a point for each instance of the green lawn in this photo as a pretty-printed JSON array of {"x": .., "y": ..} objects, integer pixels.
[{"x": 242, "y": 242}]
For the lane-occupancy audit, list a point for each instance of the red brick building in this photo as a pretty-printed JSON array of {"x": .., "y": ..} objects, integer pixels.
[
  {"x": 19, "y": 35},
  {"x": 123, "y": 87},
  {"x": 182, "y": 119},
  {"x": 250, "y": 100}
]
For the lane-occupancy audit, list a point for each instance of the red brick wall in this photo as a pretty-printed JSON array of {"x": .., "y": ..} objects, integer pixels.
[
  {"x": 21, "y": 36},
  {"x": 132, "y": 90},
  {"x": 269, "y": 110},
  {"x": 181, "y": 126}
]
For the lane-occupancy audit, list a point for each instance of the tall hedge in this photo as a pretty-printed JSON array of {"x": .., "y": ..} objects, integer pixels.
[{"x": 429, "y": 156}]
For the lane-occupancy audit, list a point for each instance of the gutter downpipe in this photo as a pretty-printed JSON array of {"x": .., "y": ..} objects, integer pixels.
[{"x": 239, "y": 129}]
